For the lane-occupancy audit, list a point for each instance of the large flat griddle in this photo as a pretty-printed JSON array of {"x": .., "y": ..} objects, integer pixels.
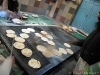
[{"x": 60, "y": 37}]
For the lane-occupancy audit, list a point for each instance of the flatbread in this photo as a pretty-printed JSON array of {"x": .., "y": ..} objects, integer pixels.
[
  {"x": 70, "y": 51},
  {"x": 24, "y": 17},
  {"x": 24, "y": 35},
  {"x": 18, "y": 45},
  {"x": 49, "y": 36},
  {"x": 31, "y": 29},
  {"x": 25, "y": 14},
  {"x": 15, "y": 20},
  {"x": 34, "y": 63},
  {"x": 67, "y": 45},
  {"x": 25, "y": 31},
  {"x": 56, "y": 52},
  {"x": 38, "y": 34},
  {"x": 44, "y": 32},
  {"x": 41, "y": 48},
  {"x": 47, "y": 54},
  {"x": 26, "y": 52},
  {"x": 44, "y": 39},
  {"x": 11, "y": 35},
  {"x": 19, "y": 39},
  {"x": 62, "y": 50},
  {"x": 10, "y": 31},
  {"x": 51, "y": 42}
]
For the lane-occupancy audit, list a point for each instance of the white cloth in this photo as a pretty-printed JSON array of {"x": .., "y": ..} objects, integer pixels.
[{"x": 80, "y": 66}]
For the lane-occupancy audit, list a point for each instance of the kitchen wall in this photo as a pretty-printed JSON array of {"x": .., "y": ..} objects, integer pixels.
[{"x": 61, "y": 10}]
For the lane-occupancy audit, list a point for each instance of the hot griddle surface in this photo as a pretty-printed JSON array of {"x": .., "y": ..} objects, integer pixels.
[{"x": 60, "y": 37}]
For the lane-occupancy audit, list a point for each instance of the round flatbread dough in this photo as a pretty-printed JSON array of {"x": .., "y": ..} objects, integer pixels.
[
  {"x": 34, "y": 63},
  {"x": 51, "y": 42},
  {"x": 70, "y": 51},
  {"x": 24, "y": 17},
  {"x": 67, "y": 45},
  {"x": 56, "y": 52},
  {"x": 25, "y": 31},
  {"x": 15, "y": 20},
  {"x": 10, "y": 31},
  {"x": 49, "y": 37},
  {"x": 38, "y": 34},
  {"x": 41, "y": 48},
  {"x": 11, "y": 35},
  {"x": 18, "y": 45},
  {"x": 44, "y": 32},
  {"x": 62, "y": 50},
  {"x": 26, "y": 52},
  {"x": 19, "y": 39},
  {"x": 47, "y": 54},
  {"x": 44, "y": 39},
  {"x": 31, "y": 29},
  {"x": 24, "y": 35}
]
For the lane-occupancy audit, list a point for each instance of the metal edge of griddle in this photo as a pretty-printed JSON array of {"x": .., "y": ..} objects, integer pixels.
[{"x": 39, "y": 72}]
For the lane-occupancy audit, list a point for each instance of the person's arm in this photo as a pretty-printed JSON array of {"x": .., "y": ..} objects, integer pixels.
[
  {"x": 78, "y": 43},
  {"x": 5, "y": 7}
]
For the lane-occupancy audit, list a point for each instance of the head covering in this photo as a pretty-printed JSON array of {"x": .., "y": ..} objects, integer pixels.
[{"x": 13, "y": 5}]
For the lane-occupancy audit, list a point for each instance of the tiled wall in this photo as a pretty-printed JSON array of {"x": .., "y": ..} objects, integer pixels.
[{"x": 61, "y": 10}]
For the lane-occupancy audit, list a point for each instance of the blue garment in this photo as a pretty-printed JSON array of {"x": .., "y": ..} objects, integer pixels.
[{"x": 4, "y": 14}]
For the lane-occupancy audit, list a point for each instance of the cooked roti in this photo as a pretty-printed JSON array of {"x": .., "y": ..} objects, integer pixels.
[
  {"x": 19, "y": 39},
  {"x": 10, "y": 31},
  {"x": 69, "y": 51},
  {"x": 44, "y": 39},
  {"x": 51, "y": 42},
  {"x": 49, "y": 36},
  {"x": 47, "y": 54},
  {"x": 44, "y": 32},
  {"x": 11, "y": 35},
  {"x": 67, "y": 45},
  {"x": 34, "y": 63},
  {"x": 18, "y": 45},
  {"x": 41, "y": 48},
  {"x": 24, "y": 35},
  {"x": 26, "y": 52},
  {"x": 38, "y": 34},
  {"x": 56, "y": 52},
  {"x": 25, "y": 31},
  {"x": 31, "y": 29},
  {"x": 62, "y": 50}
]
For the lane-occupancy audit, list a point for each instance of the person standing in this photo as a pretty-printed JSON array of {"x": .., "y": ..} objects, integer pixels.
[
  {"x": 9, "y": 9},
  {"x": 90, "y": 50}
]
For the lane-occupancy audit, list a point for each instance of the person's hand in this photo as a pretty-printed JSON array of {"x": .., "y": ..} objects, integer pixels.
[
  {"x": 1, "y": 59},
  {"x": 5, "y": 67},
  {"x": 14, "y": 15},
  {"x": 72, "y": 42},
  {"x": 21, "y": 15}
]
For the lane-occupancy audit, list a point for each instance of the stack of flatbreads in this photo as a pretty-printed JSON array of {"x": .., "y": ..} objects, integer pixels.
[{"x": 10, "y": 33}]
